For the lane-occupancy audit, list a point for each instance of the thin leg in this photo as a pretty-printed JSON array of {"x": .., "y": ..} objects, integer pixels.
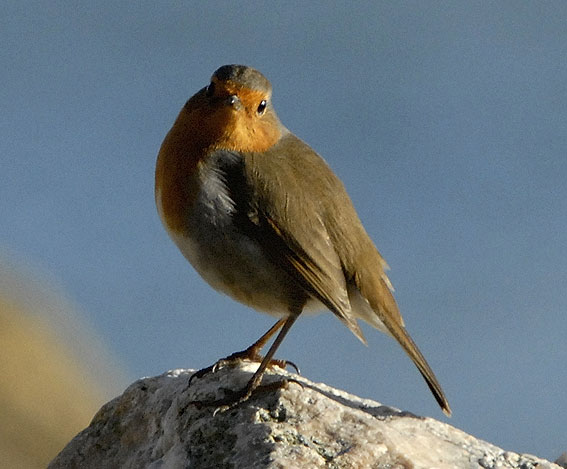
[
  {"x": 257, "y": 377},
  {"x": 251, "y": 353},
  {"x": 238, "y": 397}
]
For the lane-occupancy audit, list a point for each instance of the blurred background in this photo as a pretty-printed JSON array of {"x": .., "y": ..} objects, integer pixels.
[
  {"x": 447, "y": 122},
  {"x": 55, "y": 373}
]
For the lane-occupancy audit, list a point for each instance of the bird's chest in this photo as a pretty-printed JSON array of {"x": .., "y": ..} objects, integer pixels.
[
  {"x": 224, "y": 254},
  {"x": 212, "y": 237}
]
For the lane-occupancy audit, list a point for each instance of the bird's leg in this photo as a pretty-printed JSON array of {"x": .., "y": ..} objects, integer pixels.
[
  {"x": 252, "y": 353},
  {"x": 235, "y": 398}
]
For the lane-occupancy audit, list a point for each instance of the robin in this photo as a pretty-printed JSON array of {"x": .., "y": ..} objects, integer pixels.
[{"x": 262, "y": 218}]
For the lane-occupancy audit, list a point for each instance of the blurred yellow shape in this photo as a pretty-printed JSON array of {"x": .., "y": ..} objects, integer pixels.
[{"x": 48, "y": 393}]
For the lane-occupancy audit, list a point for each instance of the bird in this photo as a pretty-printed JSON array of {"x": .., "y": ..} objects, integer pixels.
[{"x": 263, "y": 218}]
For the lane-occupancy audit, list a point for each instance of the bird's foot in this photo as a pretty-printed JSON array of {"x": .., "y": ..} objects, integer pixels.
[
  {"x": 234, "y": 398},
  {"x": 250, "y": 354}
]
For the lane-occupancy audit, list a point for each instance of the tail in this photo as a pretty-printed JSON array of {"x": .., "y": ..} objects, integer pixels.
[
  {"x": 400, "y": 334},
  {"x": 386, "y": 317}
]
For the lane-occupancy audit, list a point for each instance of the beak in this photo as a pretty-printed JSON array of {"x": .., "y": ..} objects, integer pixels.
[{"x": 234, "y": 101}]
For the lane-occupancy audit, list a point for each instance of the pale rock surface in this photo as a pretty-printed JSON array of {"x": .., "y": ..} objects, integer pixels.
[{"x": 299, "y": 426}]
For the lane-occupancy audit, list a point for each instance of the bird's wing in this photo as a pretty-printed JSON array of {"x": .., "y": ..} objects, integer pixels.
[
  {"x": 311, "y": 260},
  {"x": 277, "y": 206}
]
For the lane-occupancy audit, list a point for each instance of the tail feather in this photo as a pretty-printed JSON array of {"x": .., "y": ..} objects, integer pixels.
[
  {"x": 407, "y": 343},
  {"x": 383, "y": 304}
]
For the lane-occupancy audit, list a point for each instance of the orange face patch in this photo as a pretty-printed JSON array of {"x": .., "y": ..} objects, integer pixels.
[
  {"x": 242, "y": 129},
  {"x": 204, "y": 125}
]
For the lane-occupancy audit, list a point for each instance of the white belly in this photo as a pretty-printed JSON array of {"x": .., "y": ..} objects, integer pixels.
[{"x": 230, "y": 261}]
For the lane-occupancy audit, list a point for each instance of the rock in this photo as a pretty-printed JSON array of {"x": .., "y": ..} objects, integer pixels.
[
  {"x": 562, "y": 460},
  {"x": 305, "y": 425}
]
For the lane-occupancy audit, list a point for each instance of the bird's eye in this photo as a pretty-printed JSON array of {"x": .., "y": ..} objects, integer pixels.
[
  {"x": 262, "y": 107},
  {"x": 210, "y": 90}
]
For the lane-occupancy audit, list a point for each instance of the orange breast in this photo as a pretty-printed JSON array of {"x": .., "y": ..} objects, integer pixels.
[
  {"x": 201, "y": 129},
  {"x": 176, "y": 181}
]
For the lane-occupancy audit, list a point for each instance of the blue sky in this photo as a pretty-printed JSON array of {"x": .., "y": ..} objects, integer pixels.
[{"x": 447, "y": 122}]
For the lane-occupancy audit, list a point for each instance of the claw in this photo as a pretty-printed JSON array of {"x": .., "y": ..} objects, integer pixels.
[
  {"x": 294, "y": 366},
  {"x": 234, "y": 399},
  {"x": 251, "y": 353}
]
